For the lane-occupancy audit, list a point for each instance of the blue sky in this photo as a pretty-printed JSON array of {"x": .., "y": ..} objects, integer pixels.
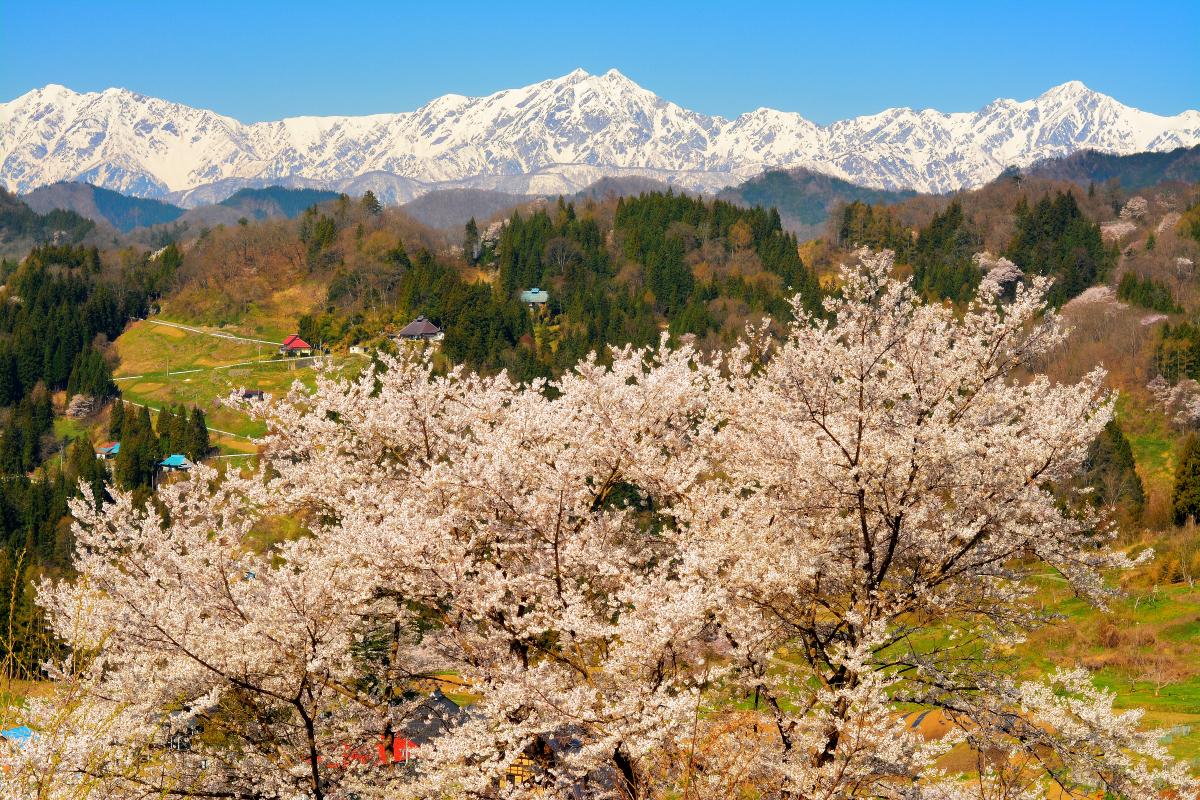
[{"x": 262, "y": 59}]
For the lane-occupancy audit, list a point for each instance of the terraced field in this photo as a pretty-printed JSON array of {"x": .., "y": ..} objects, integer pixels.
[
  {"x": 165, "y": 364},
  {"x": 1146, "y": 651},
  {"x": 148, "y": 348}
]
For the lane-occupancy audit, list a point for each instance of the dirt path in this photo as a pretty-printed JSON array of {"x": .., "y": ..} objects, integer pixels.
[
  {"x": 215, "y": 334},
  {"x": 173, "y": 373}
]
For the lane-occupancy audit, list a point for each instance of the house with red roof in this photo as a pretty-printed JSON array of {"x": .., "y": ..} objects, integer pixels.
[{"x": 295, "y": 346}]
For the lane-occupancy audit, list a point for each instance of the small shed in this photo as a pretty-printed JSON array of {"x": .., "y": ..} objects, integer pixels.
[
  {"x": 535, "y": 297},
  {"x": 295, "y": 346},
  {"x": 421, "y": 329},
  {"x": 176, "y": 462},
  {"x": 108, "y": 451},
  {"x": 249, "y": 394}
]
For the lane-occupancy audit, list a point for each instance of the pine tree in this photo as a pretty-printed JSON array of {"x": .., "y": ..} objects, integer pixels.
[
  {"x": 166, "y": 429},
  {"x": 371, "y": 204},
  {"x": 10, "y": 385},
  {"x": 116, "y": 422},
  {"x": 139, "y": 456},
  {"x": 84, "y": 466},
  {"x": 471, "y": 241},
  {"x": 197, "y": 439},
  {"x": 90, "y": 375},
  {"x": 1111, "y": 471},
  {"x": 1185, "y": 500}
]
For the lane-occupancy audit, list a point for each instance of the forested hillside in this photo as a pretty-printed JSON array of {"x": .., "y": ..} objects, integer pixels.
[
  {"x": 21, "y": 227},
  {"x": 62, "y": 306},
  {"x": 275, "y": 201},
  {"x": 102, "y": 205},
  {"x": 616, "y": 272},
  {"x": 449, "y": 209},
  {"x": 804, "y": 198},
  {"x": 1136, "y": 171}
]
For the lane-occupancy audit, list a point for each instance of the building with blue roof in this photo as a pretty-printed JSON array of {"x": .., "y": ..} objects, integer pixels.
[
  {"x": 175, "y": 462},
  {"x": 535, "y": 297}
]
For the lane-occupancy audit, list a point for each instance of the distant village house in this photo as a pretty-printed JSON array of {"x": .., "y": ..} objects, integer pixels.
[
  {"x": 421, "y": 329},
  {"x": 535, "y": 298},
  {"x": 108, "y": 451},
  {"x": 295, "y": 346},
  {"x": 176, "y": 462}
]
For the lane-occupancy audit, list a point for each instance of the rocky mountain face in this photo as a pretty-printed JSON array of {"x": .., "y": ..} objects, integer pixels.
[{"x": 556, "y": 136}]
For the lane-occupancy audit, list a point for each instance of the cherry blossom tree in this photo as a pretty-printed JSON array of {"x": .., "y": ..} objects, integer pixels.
[
  {"x": 886, "y": 510},
  {"x": 670, "y": 576},
  {"x": 453, "y": 526}
]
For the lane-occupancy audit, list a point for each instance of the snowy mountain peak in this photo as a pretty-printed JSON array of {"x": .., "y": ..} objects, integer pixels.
[
  {"x": 553, "y": 136},
  {"x": 1069, "y": 89}
]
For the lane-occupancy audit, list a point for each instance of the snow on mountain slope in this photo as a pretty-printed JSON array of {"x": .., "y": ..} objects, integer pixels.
[{"x": 547, "y": 137}]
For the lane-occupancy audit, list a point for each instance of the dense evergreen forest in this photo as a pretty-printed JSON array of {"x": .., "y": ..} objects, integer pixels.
[
  {"x": 1055, "y": 238},
  {"x": 1147, "y": 292},
  {"x": 20, "y": 225},
  {"x": 806, "y": 197},
  {"x": 1052, "y": 237}
]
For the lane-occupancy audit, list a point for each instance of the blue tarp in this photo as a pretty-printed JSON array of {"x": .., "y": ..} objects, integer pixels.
[{"x": 19, "y": 735}]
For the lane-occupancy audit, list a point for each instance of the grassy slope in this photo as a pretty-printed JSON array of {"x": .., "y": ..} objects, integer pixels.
[
  {"x": 203, "y": 370},
  {"x": 146, "y": 348},
  {"x": 272, "y": 318},
  {"x": 149, "y": 350},
  {"x": 1161, "y": 623}
]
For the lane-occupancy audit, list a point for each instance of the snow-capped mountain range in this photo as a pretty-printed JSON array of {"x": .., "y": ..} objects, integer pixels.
[{"x": 554, "y": 136}]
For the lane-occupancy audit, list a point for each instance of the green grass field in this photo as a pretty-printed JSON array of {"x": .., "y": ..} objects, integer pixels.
[
  {"x": 149, "y": 349},
  {"x": 1146, "y": 650},
  {"x": 1152, "y": 441},
  {"x": 67, "y": 428},
  {"x": 204, "y": 389},
  {"x": 204, "y": 369}
]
